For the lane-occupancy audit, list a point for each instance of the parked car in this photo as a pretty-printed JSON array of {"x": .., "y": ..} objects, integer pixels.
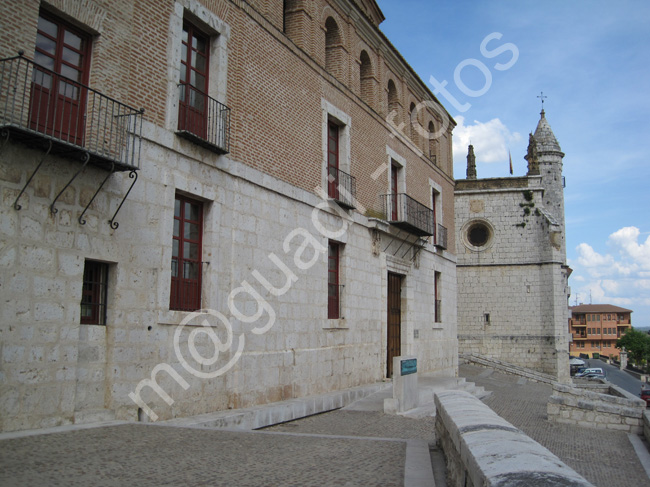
[
  {"x": 645, "y": 395},
  {"x": 594, "y": 370},
  {"x": 593, "y": 375}
]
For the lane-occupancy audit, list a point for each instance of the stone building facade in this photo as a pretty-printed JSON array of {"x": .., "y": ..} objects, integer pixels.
[
  {"x": 290, "y": 174},
  {"x": 512, "y": 272}
]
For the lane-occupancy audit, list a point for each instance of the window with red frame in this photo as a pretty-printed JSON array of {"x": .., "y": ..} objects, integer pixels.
[
  {"x": 333, "y": 283},
  {"x": 93, "y": 293},
  {"x": 394, "y": 174},
  {"x": 195, "y": 59},
  {"x": 333, "y": 160},
  {"x": 186, "y": 255},
  {"x": 58, "y": 100},
  {"x": 437, "y": 278}
]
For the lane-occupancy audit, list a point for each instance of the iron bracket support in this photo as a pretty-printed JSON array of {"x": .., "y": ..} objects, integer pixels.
[{"x": 133, "y": 175}]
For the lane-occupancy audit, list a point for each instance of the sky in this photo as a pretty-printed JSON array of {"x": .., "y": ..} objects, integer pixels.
[{"x": 488, "y": 62}]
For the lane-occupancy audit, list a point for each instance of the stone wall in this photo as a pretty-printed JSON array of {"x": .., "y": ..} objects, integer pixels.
[
  {"x": 482, "y": 448},
  {"x": 512, "y": 291},
  {"x": 508, "y": 368},
  {"x": 612, "y": 409}
]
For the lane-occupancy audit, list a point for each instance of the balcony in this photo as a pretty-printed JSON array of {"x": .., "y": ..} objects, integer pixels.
[
  {"x": 441, "y": 237},
  {"x": 406, "y": 213},
  {"x": 46, "y": 110},
  {"x": 203, "y": 120},
  {"x": 342, "y": 187}
]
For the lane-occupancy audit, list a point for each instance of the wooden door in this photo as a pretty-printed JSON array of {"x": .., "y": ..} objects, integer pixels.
[{"x": 394, "y": 348}]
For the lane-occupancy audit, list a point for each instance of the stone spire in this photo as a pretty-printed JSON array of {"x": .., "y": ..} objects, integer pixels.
[
  {"x": 531, "y": 156},
  {"x": 546, "y": 141},
  {"x": 471, "y": 163}
]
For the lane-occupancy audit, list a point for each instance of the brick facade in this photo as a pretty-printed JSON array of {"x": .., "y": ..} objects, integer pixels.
[{"x": 263, "y": 217}]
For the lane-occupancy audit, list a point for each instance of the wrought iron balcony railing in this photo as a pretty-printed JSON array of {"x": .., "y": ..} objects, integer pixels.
[
  {"x": 203, "y": 120},
  {"x": 342, "y": 187},
  {"x": 441, "y": 237},
  {"x": 41, "y": 107},
  {"x": 406, "y": 213}
]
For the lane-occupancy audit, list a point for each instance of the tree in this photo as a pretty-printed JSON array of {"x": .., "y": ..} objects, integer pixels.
[{"x": 637, "y": 345}]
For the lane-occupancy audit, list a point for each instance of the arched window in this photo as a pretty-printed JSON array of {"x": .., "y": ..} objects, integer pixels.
[
  {"x": 433, "y": 143},
  {"x": 393, "y": 102},
  {"x": 333, "y": 47},
  {"x": 293, "y": 20},
  {"x": 413, "y": 123},
  {"x": 366, "y": 78}
]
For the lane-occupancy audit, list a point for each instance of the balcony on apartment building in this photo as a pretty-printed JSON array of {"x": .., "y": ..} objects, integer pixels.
[
  {"x": 203, "y": 120},
  {"x": 47, "y": 110},
  {"x": 342, "y": 187},
  {"x": 404, "y": 212}
]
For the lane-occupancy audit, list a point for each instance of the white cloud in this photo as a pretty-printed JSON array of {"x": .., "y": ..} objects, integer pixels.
[
  {"x": 591, "y": 259},
  {"x": 619, "y": 277},
  {"x": 490, "y": 140},
  {"x": 627, "y": 241}
]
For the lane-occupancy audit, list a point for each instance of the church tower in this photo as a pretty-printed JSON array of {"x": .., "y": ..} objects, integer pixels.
[
  {"x": 511, "y": 262},
  {"x": 548, "y": 163}
]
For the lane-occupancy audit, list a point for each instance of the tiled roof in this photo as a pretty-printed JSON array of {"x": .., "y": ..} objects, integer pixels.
[{"x": 598, "y": 308}]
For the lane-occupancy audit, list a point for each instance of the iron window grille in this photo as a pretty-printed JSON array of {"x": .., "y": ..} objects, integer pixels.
[
  {"x": 333, "y": 283},
  {"x": 94, "y": 293}
]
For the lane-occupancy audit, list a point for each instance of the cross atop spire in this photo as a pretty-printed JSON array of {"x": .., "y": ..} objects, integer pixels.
[{"x": 542, "y": 97}]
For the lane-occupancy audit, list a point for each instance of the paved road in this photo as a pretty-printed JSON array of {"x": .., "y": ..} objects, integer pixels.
[{"x": 618, "y": 377}]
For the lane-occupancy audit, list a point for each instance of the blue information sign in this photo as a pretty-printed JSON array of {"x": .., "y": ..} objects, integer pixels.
[{"x": 409, "y": 366}]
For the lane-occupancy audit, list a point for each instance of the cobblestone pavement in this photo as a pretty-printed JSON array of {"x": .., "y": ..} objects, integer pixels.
[
  {"x": 604, "y": 458},
  {"x": 362, "y": 423},
  {"x": 152, "y": 455}
]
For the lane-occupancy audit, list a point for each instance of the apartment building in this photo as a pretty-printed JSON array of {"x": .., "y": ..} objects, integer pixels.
[
  {"x": 594, "y": 329},
  {"x": 214, "y": 204}
]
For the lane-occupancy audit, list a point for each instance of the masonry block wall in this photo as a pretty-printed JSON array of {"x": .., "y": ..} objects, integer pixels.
[
  {"x": 512, "y": 291},
  {"x": 265, "y": 223}
]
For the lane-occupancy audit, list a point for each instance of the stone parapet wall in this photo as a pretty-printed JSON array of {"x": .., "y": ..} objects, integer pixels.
[
  {"x": 646, "y": 425},
  {"x": 519, "y": 351},
  {"x": 613, "y": 409},
  {"x": 483, "y": 449},
  {"x": 508, "y": 368}
]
